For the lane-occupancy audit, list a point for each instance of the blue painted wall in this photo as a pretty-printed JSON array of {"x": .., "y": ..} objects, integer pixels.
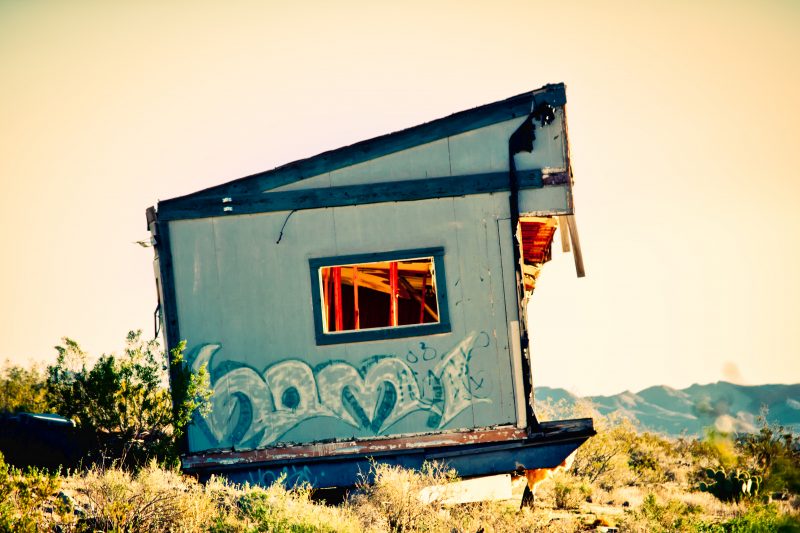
[{"x": 245, "y": 306}]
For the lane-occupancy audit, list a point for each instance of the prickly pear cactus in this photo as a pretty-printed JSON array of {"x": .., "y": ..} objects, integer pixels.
[{"x": 730, "y": 486}]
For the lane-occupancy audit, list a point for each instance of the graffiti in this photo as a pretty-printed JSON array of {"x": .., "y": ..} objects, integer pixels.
[
  {"x": 425, "y": 353},
  {"x": 288, "y": 476},
  {"x": 251, "y": 409}
]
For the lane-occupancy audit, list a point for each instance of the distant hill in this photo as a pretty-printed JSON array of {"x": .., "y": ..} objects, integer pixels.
[{"x": 689, "y": 411}]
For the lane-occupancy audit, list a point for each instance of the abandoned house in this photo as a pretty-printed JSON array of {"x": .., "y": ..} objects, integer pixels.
[{"x": 368, "y": 303}]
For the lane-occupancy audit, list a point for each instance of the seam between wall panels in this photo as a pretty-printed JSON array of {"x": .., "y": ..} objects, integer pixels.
[
  {"x": 449, "y": 157},
  {"x": 492, "y": 302},
  {"x": 214, "y": 241},
  {"x": 460, "y": 295},
  {"x": 344, "y": 351},
  {"x": 217, "y": 260},
  {"x": 514, "y": 351}
]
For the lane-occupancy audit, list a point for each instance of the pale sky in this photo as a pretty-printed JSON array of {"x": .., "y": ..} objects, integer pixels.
[{"x": 683, "y": 121}]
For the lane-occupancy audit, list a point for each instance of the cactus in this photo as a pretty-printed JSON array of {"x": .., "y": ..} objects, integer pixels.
[{"x": 730, "y": 486}]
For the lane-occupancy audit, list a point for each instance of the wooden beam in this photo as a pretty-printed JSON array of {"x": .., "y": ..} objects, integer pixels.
[
  {"x": 414, "y": 295},
  {"x": 564, "y": 232},
  {"x": 337, "y": 298},
  {"x": 356, "y": 313},
  {"x": 393, "y": 294},
  {"x": 422, "y": 300},
  {"x": 371, "y": 193},
  {"x": 576, "y": 246}
]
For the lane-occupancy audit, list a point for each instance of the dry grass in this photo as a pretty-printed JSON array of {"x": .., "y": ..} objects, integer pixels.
[
  {"x": 621, "y": 478},
  {"x": 155, "y": 499}
]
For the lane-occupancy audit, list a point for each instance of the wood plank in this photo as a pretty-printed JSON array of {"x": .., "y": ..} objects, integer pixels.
[
  {"x": 563, "y": 227},
  {"x": 576, "y": 246},
  {"x": 479, "y": 489},
  {"x": 397, "y": 191}
]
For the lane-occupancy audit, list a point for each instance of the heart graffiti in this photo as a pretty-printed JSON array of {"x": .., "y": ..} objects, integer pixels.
[{"x": 251, "y": 409}]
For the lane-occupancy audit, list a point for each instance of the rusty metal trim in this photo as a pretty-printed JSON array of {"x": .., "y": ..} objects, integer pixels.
[{"x": 345, "y": 448}]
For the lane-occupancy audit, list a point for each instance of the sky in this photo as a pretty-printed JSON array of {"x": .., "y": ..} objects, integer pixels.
[{"x": 683, "y": 120}]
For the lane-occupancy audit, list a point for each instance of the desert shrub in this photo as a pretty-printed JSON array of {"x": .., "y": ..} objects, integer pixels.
[
  {"x": 620, "y": 455},
  {"x": 604, "y": 459},
  {"x": 717, "y": 449},
  {"x": 23, "y": 495},
  {"x": 769, "y": 457},
  {"x": 22, "y": 389},
  {"x": 158, "y": 499},
  {"x": 568, "y": 491},
  {"x": 653, "y": 516},
  {"x": 655, "y": 459},
  {"x": 397, "y": 500},
  {"x": 125, "y": 399},
  {"x": 774, "y": 453},
  {"x": 394, "y": 495},
  {"x": 757, "y": 518},
  {"x": 154, "y": 499},
  {"x": 278, "y": 509}
]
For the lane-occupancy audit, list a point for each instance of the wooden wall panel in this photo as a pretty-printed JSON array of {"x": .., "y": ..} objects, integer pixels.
[
  {"x": 245, "y": 308},
  {"x": 551, "y": 200},
  {"x": 549, "y": 147}
]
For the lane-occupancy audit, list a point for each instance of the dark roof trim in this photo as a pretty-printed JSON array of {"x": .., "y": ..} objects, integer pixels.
[
  {"x": 461, "y": 122},
  {"x": 372, "y": 193}
]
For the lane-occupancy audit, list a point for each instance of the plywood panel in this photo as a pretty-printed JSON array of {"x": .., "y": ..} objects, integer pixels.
[
  {"x": 482, "y": 150},
  {"x": 473, "y": 152},
  {"x": 505, "y": 238},
  {"x": 246, "y": 308},
  {"x": 549, "y": 147},
  {"x": 392, "y": 226},
  {"x": 426, "y": 160},
  {"x": 482, "y": 307},
  {"x": 316, "y": 182},
  {"x": 551, "y": 200}
]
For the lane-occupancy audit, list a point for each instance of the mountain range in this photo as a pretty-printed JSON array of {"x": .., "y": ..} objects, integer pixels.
[{"x": 725, "y": 406}]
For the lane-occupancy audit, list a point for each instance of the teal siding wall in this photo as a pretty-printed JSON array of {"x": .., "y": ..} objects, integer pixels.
[
  {"x": 473, "y": 152},
  {"x": 245, "y": 308},
  {"x": 244, "y": 303}
]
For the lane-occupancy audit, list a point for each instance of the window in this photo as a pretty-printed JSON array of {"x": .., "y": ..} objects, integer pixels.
[{"x": 379, "y": 296}]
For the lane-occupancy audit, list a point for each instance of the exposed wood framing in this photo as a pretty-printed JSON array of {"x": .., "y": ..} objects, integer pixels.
[
  {"x": 576, "y": 246},
  {"x": 564, "y": 232}
]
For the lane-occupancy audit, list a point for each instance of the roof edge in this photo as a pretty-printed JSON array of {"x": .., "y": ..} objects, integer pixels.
[{"x": 460, "y": 122}]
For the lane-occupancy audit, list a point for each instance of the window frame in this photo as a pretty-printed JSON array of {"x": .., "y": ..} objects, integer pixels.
[{"x": 389, "y": 332}]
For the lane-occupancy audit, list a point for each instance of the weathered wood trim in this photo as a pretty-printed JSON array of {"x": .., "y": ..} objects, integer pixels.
[
  {"x": 576, "y": 246},
  {"x": 170, "y": 303},
  {"x": 397, "y": 191},
  {"x": 360, "y": 447},
  {"x": 461, "y": 122},
  {"x": 564, "y": 231}
]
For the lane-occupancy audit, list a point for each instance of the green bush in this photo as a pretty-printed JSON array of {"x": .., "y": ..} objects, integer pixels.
[
  {"x": 773, "y": 452},
  {"x": 569, "y": 492},
  {"x": 755, "y": 519},
  {"x": 656, "y": 517},
  {"x": 22, "y": 390},
  {"x": 22, "y": 495},
  {"x": 126, "y": 398}
]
